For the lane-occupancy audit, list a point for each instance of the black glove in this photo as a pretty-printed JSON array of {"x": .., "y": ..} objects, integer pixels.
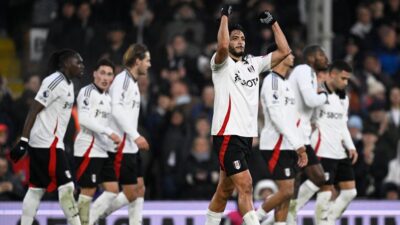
[
  {"x": 19, "y": 150},
  {"x": 226, "y": 10},
  {"x": 267, "y": 18}
]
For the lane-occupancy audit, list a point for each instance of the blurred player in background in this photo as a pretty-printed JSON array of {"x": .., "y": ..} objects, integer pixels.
[
  {"x": 234, "y": 124},
  {"x": 43, "y": 136},
  {"x": 330, "y": 140},
  {"x": 281, "y": 144},
  {"x": 125, "y": 104},
  {"x": 93, "y": 142},
  {"x": 308, "y": 95}
]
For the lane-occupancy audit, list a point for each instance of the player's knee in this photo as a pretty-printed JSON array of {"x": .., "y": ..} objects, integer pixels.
[
  {"x": 318, "y": 178},
  {"x": 67, "y": 188},
  {"x": 130, "y": 195},
  {"x": 245, "y": 188},
  {"x": 349, "y": 194},
  {"x": 141, "y": 189},
  {"x": 287, "y": 192},
  {"x": 225, "y": 193}
]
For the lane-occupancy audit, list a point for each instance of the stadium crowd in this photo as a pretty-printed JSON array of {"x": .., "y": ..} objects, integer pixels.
[{"x": 177, "y": 97}]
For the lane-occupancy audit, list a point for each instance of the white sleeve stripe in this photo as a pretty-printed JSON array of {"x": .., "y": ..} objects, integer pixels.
[
  {"x": 88, "y": 90},
  {"x": 55, "y": 82},
  {"x": 126, "y": 82},
  {"x": 274, "y": 82}
]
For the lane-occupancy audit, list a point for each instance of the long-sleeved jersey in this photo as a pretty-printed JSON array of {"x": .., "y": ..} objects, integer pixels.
[
  {"x": 125, "y": 106},
  {"x": 56, "y": 94},
  {"x": 303, "y": 80},
  {"x": 237, "y": 95},
  {"x": 94, "y": 113},
  {"x": 280, "y": 115},
  {"x": 332, "y": 133}
]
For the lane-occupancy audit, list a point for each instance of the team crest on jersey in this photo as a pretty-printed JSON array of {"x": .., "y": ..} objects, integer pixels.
[
  {"x": 68, "y": 174},
  {"x": 101, "y": 103},
  {"x": 69, "y": 94},
  {"x": 236, "y": 164},
  {"x": 86, "y": 101},
  {"x": 275, "y": 95},
  {"x": 326, "y": 176},
  {"x": 287, "y": 172},
  {"x": 46, "y": 93},
  {"x": 94, "y": 178}
]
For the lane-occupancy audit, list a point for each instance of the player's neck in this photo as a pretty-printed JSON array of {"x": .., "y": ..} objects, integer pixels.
[
  {"x": 330, "y": 86},
  {"x": 133, "y": 72},
  {"x": 281, "y": 70},
  {"x": 236, "y": 58},
  {"x": 69, "y": 77}
]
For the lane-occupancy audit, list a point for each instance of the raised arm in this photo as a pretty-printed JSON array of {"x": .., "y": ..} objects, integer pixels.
[
  {"x": 280, "y": 39},
  {"x": 223, "y": 36}
]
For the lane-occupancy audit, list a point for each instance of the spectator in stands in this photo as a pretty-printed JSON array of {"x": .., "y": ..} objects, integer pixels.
[
  {"x": 59, "y": 32},
  {"x": 206, "y": 105},
  {"x": 175, "y": 149},
  {"x": 181, "y": 97},
  {"x": 10, "y": 187},
  {"x": 394, "y": 111},
  {"x": 116, "y": 45},
  {"x": 186, "y": 22},
  {"x": 200, "y": 171},
  {"x": 202, "y": 127},
  {"x": 388, "y": 51},
  {"x": 360, "y": 167},
  {"x": 363, "y": 25},
  {"x": 139, "y": 27},
  {"x": 391, "y": 191}
]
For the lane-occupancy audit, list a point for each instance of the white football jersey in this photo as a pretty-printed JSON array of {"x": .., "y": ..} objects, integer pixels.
[
  {"x": 332, "y": 134},
  {"x": 278, "y": 102},
  {"x": 236, "y": 99},
  {"x": 304, "y": 85},
  {"x": 56, "y": 94},
  {"x": 94, "y": 113},
  {"x": 125, "y": 106}
]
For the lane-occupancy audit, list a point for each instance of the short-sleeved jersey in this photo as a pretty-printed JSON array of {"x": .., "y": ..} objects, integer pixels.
[
  {"x": 56, "y": 94},
  {"x": 94, "y": 113},
  {"x": 303, "y": 80},
  {"x": 125, "y": 106},
  {"x": 236, "y": 98},
  {"x": 332, "y": 133},
  {"x": 278, "y": 102}
]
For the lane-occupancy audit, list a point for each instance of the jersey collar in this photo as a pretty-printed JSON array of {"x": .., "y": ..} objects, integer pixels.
[
  {"x": 66, "y": 78},
  {"x": 130, "y": 75},
  {"x": 327, "y": 88},
  {"x": 279, "y": 75},
  {"x": 97, "y": 88}
]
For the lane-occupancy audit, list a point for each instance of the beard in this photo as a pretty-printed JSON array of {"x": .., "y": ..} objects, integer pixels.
[{"x": 235, "y": 53}]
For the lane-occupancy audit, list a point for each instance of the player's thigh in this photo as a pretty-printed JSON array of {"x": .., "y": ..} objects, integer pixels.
[
  {"x": 280, "y": 165},
  {"x": 63, "y": 171},
  {"x": 89, "y": 171},
  {"x": 345, "y": 175},
  {"x": 232, "y": 153},
  {"x": 128, "y": 169},
  {"x": 225, "y": 185},
  {"x": 39, "y": 167},
  {"x": 330, "y": 167}
]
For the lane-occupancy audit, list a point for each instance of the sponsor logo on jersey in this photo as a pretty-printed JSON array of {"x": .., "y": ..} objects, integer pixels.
[
  {"x": 331, "y": 115},
  {"x": 236, "y": 164},
  {"x": 249, "y": 83}
]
